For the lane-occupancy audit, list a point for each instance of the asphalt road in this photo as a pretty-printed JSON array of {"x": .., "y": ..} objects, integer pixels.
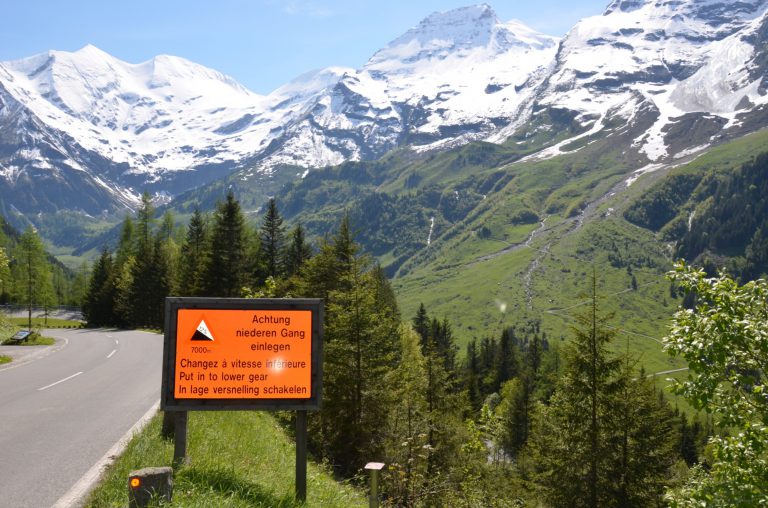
[{"x": 62, "y": 410}]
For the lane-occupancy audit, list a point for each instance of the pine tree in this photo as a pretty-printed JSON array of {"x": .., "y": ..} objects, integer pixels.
[
  {"x": 272, "y": 233},
  {"x": 127, "y": 244},
  {"x": 167, "y": 227},
  {"x": 142, "y": 292},
  {"x": 298, "y": 251},
  {"x": 442, "y": 336},
  {"x": 194, "y": 257},
  {"x": 361, "y": 347},
  {"x": 98, "y": 305},
  {"x": 643, "y": 443},
  {"x": 604, "y": 439},
  {"x": 472, "y": 375},
  {"x": 226, "y": 271},
  {"x": 506, "y": 365},
  {"x": 123, "y": 303},
  {"x": 421, "y": 325},
  {"x": 163, "y": 263}
]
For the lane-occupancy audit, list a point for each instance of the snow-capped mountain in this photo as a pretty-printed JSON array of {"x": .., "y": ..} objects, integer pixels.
[
  {"x": 687, "y": 72},
  {"x": 166, "y": 124},
  {"x": 457, "y": 76},
  {"x": 86, "y": 131}
]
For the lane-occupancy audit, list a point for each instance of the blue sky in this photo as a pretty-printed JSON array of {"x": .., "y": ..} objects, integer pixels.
[{"x": 261, "y": 43}]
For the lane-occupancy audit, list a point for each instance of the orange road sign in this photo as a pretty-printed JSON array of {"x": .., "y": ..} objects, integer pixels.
[{"x": 242, "y": 352}]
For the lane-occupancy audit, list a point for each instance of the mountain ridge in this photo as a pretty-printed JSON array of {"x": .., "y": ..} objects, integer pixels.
[{"x": 667, "y": 79}]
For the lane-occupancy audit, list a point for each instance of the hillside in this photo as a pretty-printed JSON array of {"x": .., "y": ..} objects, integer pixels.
[{"x": 490, "y": 238}]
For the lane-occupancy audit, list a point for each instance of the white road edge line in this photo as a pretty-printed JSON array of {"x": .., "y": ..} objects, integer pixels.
[
  {"x": 59, "y": 381},
  {"x": 112, "y": 353},
  {"x": 80, "y": 490}
]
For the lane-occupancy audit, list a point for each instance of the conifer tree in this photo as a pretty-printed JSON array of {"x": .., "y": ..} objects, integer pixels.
[
  {"x": 298, "y": 251},
  {"x": 602, "y": 441},
  {"x": 98, "y": 307},
  {"x": 344, "y": 248},
  {"x": 361, "y": 347},
  {"x": 506, "y": 364},
  {"x": 272, "y": 233},
  {"x": 472, "y": 374},
  {"x": 145, "y": 219},
  {"x": 163, "y": 264},
  {"x": 444, "y": 406},
  {"x": 513, "y": 411},
  {"x": 575, "y": 454},
  {"x": 226, "y": 271},
  {"x": 194, "y": 256},
  {"x": 167, "y": 227},
  {"x": 143, "y": 288},
  {"x": 442, "y": 336},
  {"x": 421, "y": 324},
  {"x": 126, "y": 246},
  {"x": 123, "y": 303},
  {"x": 643, "y": 443}
]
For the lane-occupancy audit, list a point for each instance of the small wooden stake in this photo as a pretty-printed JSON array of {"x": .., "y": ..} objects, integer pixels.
[
  {"x": 301, "y": 456},
  {"x": 374, "y": 468}
]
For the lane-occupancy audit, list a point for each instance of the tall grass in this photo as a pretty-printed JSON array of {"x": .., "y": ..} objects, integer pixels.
[{"x": 237, "y": 459}]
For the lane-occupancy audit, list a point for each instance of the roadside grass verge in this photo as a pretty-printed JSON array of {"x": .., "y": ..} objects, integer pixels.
[
  {"x": 39, "y": 340},
  {"x": 38, "y": 322},
  {"x": 5, "y": 359},
  {"x": 237, "y": 459},
  {"x": 34, "y": 340}
]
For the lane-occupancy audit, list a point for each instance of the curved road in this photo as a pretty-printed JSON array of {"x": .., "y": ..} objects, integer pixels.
[{"x": 61, "y": 412}]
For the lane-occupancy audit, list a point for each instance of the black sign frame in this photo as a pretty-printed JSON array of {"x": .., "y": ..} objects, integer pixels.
[{"x": 168, "y": 401}]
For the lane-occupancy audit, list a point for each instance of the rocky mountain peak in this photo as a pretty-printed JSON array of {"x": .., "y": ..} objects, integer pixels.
[{"x": 457, "y": 33}]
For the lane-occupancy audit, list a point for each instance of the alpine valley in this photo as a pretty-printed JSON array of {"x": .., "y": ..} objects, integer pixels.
[{"x": 488, "y": 167}]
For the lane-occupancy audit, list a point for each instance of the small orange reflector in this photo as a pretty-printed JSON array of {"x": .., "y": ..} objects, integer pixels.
[{"x": 135, "y": 482}]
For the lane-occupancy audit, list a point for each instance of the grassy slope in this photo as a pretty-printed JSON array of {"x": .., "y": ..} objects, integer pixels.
[
  {"x": 237, "y": 459},
  {"x": 41, "y": 322},
  {"x": 469, "y": 279}
]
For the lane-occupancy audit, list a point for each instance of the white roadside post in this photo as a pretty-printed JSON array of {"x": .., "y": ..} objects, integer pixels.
[{"x": 374, "y": 468}]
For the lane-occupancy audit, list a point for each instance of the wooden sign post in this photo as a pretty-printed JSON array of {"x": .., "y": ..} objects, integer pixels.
[{"x": 238, "y": 354}]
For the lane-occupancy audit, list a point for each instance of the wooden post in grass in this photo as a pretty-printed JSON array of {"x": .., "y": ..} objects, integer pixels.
[
  {"x": 373, "y": 468},
  {"x": 301, "y": 456},
  {"x": 180, "y": 439},
  {"x": 169, "y": 422}
]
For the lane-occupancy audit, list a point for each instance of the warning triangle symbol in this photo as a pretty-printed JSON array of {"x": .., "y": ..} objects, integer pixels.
[{"x": 202, "y": 332}]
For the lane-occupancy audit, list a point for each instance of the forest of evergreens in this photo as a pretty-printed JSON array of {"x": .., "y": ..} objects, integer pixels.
[
  {"x": 716, "y": 219},
  {"x": 514, "y": 420},
  {"x": 29, "y": 276}
]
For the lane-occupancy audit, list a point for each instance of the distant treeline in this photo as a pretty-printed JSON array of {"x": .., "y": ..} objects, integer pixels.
[
  {"x": 31, "y": 276},
  {"x": 717, "y": 219}
]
